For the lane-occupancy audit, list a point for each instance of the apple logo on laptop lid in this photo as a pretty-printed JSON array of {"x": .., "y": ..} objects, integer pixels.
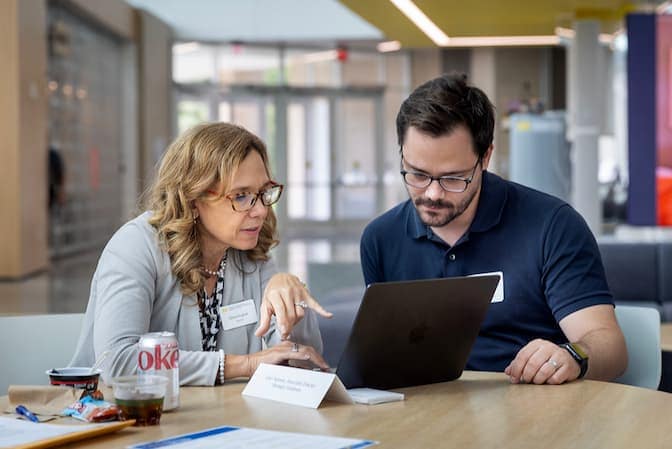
[{"x": 417, "y": 334}]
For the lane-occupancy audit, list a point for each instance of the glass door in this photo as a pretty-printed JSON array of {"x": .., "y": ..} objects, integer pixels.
[
  {"x": 309, "y": 179},
  {"x": 254, "y": 113},
  {"x": 333, "y": 149},
  {"x": 355, "y": 159},
  {"x": 325, "y": 145}
]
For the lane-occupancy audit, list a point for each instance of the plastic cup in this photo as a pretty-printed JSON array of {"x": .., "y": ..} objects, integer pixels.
[{"x": 140, "y": 398}]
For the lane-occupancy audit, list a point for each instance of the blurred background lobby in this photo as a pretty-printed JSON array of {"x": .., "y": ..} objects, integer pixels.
[{"x": 93, "y": 91}]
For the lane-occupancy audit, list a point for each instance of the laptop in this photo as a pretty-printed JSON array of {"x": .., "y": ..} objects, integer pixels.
[{"x": 417, "y": 332}]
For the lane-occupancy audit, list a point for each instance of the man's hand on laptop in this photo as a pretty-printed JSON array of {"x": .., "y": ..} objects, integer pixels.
[
  {"x": 286, "y": 297},
  {"x": 542, "y": 362}
]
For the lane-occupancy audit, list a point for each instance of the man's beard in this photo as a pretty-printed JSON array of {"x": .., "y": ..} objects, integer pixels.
[{"x": 448, "y": 211}]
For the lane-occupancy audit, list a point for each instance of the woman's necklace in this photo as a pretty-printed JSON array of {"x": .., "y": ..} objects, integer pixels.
[{"x": 220, "y": 271}]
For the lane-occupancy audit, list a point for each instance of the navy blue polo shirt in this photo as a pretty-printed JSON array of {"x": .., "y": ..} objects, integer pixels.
[{"x": 549, "y": 257}]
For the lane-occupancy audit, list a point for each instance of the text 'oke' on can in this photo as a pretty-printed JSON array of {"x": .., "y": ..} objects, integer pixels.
[{"x": 159, "y": 354}]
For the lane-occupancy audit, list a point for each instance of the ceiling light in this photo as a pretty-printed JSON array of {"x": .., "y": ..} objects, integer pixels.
[
  {"x": 385, "y": 47},
  {"x": 664, "y": 8},
  {"x": 423, "y": 22},
  {"x": 503, "y": 41},
  {"x": 185, "y": 47},
  {"x": 620, "y": 42},
  {"x": 318, "y": 56},
  {"x": 605, "y": 38},
  {"x": 568, "y": 33}
]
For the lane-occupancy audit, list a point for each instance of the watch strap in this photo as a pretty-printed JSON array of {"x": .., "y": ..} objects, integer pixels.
[{"x": 580, "y": 359}]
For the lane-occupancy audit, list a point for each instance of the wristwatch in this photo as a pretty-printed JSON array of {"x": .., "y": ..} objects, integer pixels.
[{"x": 579, "y": 355}]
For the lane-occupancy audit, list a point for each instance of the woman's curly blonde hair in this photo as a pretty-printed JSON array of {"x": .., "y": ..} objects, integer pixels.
[{"x": 201, "y": 157}]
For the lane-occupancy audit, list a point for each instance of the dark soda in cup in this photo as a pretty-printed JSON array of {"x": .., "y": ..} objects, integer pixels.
[
  {"x": 146, "y": 412},
  {"x": 140, "y": 397}
]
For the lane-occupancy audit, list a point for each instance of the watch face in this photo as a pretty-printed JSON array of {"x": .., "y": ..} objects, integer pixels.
[{"x": 579, "y": 350}]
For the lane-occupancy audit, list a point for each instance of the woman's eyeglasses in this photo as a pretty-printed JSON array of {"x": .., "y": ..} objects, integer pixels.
[{"x": 244, "y": 201}]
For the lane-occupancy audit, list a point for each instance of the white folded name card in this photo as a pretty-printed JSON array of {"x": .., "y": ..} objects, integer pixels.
[{"x": 295, "y": 386}]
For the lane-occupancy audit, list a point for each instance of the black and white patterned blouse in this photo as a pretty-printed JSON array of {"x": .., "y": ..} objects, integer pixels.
[{"x": 211, "y": 321}]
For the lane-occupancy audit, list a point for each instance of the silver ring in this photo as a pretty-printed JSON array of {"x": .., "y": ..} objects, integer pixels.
[
  {"x": 302, "y": 304},
  {"x": 554, "y": 363},
  {"x": 295, "y": 347}
]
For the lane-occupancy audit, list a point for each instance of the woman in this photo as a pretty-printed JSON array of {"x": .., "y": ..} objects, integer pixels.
[{"x": 202, "y": 244}]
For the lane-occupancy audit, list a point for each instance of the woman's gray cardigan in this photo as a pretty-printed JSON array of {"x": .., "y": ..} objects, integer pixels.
[{"x": 133, "y": 292}]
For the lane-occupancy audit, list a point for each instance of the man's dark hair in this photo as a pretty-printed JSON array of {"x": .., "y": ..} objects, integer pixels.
[{"x": 440, "y": 105}]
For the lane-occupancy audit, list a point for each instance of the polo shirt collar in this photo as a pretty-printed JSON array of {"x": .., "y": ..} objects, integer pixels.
[
  {"x": 489, "y": 212},
  {"x": 491, "y": 203},
  {"x": 414, "y": 226}
]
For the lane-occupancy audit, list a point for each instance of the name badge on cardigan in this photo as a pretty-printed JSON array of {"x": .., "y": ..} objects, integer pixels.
[{"x": 238, "y": 314}]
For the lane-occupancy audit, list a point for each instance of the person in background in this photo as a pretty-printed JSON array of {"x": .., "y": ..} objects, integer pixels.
[
  {"x": 202, "y": 244},
  {"x": 555, "y": 320},
  {"x": 56, "y": 179}
]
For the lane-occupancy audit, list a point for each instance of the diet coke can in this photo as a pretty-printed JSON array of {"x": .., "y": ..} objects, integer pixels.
[{"x": 158, "y": 354}]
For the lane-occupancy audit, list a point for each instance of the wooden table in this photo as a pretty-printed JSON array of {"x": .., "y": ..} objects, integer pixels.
[{"x": 480, "y": 410}]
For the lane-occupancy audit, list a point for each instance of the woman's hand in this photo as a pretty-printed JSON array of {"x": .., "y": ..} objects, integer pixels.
[
  {"x": 287, "y": 352},
  {"x": 286, "y": 297}
]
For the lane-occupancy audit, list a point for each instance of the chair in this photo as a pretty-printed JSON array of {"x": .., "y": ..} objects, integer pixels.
[
  {"x": 641, "y": 328},
  {"x": 324, "y": 278},
  {"x": 32, "y": 344},
  {"x": 344, "y": 304}
]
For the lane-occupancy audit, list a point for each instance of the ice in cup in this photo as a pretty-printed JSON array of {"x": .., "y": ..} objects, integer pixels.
[{"x": 140, "y": 398}]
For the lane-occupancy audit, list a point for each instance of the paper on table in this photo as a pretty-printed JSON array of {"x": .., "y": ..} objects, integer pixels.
[
  {"x": 227, "y": 436},
  {"x": 14, "y": 432},
  {"x": 17, "y": 431}
]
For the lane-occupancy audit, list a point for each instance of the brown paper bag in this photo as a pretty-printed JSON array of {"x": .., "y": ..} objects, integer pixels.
[{"x": 40, "y": 399}]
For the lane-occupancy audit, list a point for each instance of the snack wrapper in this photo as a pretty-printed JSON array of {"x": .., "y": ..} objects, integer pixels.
[{"x": 92, "y": 410}]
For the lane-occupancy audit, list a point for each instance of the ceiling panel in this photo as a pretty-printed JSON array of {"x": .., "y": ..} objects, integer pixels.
[
  {"x": 489, "y": 17},
  {"x": 260, "y": 20}
]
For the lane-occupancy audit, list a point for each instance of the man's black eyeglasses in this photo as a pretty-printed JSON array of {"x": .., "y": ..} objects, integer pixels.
[{"x": 454, "y": 184}]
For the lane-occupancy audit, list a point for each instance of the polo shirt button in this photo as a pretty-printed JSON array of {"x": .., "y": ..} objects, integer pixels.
[{"x": 451, "y": 257}]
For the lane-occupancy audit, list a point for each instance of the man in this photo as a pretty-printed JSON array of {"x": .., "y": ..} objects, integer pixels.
[{"x": 557, "y": 313}]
